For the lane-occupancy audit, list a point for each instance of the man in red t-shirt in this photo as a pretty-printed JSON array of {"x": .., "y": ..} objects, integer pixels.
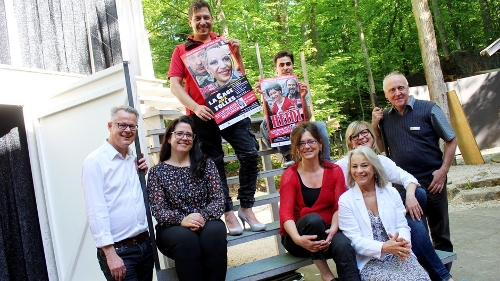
[{"x": 239, "y": 135}]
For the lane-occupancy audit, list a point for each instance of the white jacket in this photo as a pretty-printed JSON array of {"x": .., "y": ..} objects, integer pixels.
[{"x": 355, "y": 222}]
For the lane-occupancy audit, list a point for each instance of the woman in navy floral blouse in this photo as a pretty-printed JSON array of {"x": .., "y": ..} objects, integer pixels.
[{"x": 187, "y": 201}]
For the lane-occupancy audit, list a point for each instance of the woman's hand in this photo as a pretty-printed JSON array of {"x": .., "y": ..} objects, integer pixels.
[
  {"x": 330, "y": 233},
  {"x": 307, "y": 242},
  {"x": 397, "y": 246},
  {"x": 193, "y": 221}
]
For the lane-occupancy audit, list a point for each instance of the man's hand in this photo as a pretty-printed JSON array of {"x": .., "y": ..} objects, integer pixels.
[
  {"x": 141, "y": 164},
  {"x": 377, "y": 115},
  {"x": 235, "y": 45},
  {"x": 303, "y": 90},
  {"x": 258, "y": 88},
  {"x": 115, "y": 263},
  {"x": 438, "y": 181},
  {"x": 203, "y": 112}
]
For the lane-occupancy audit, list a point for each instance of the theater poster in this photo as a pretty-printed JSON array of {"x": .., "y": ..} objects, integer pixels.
[
  {"x": 282, "y": 107},
  {"x": 225, "y": 88}
]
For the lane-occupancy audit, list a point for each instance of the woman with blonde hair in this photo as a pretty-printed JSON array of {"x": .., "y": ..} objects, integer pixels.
[
  {"x": 359, "y": 134},
  {"x": 372, "y": 216}
]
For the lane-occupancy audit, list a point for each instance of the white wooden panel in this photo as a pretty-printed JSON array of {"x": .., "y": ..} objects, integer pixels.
[{"x": 68, "y": 127}]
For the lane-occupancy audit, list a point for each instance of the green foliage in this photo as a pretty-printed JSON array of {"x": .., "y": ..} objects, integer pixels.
[{"x": 327, "y": 33}]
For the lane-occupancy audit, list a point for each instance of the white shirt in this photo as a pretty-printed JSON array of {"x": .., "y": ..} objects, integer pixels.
[
  {"x": 113, "y": 196},
  {"x": 355, "y": 223},
  {"x": 394, "y": 173}
]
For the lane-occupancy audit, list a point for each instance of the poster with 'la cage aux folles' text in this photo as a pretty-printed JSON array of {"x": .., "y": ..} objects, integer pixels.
[
  {"x": 225, "y": 88},
  {"x": 283, "y": 108}
]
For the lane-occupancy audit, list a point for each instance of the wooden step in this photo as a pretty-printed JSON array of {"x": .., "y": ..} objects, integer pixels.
[
  {"x": 251, "y": 271},
  {"x": 261, "y": 175},
  {"x": 260, "y": 200},
  {"x": 247, "y": 236},
  {"x": 264, "y": 152},
  {"x": 272, "y": 266},
  {"x": 265, "y": 268},
  {"x": 446, "y": 257}
]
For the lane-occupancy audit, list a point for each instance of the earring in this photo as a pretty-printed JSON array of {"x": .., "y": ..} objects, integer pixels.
[{"x": 376, "y": 178}]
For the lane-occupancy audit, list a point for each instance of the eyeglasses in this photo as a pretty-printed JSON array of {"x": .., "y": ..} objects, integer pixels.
[
  {"x": 288, "y": 63},
  {"x": 180, "y": 135},
  {"x": 363, "y": 133},
  {"x": 124, "y": 126},
  {"x": 309, "y": 143}
]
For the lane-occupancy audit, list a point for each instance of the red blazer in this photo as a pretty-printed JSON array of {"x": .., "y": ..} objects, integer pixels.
[{"x": 292, "y": 203}]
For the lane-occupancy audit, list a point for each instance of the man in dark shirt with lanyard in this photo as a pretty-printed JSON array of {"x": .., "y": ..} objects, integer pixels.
[{"x": 412, "y": 131}]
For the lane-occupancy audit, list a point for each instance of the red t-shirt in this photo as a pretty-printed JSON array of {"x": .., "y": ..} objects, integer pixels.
[{"x": 179, "y": 69}]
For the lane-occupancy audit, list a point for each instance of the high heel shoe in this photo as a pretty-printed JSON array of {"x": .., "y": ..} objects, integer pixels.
[
  {"x": 234, "y": 231},
  {"x": 254, "y": 227}
]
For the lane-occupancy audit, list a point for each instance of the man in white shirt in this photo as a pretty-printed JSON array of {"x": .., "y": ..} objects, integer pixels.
[{"x": 115, "y": 204}]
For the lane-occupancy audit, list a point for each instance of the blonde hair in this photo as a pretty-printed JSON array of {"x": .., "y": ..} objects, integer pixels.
[
  {"x": 380, "y": 174},
  {"x": 353, "y": 129}
]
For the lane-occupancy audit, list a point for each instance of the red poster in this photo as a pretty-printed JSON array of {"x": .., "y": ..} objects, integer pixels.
[{"x": 282, "y": 107}]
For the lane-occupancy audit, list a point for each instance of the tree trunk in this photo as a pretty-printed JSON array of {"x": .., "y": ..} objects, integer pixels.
[
  {"x": 454, "y": 25},
  {"x": 485, "y": 14},
  {"x": 315, "y": 35},
  {"x": 221, "y": 18},
  {"x": 303, "y": 31},
  {"x": 430, "y": 57},
  {"x": 440, "y": 28},
  {"x": 371, "y": 82}
]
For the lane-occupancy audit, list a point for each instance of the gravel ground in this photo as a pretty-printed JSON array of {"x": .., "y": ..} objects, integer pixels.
[{"x": 459, "y": 175}]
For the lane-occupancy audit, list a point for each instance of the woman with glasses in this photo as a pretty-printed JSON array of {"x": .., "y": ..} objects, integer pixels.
[
  {"x": 187, "y": 201},
  {"x": 358, "y": 134},
  {"x": 309, "y": 192}
]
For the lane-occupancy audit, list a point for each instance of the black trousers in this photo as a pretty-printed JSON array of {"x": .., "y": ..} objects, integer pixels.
[
  {"x": 340, "y": 249},
  {"x": 438, "y": 219},
  {"x": 200, "y": 255},
  {"x": 242, "y": 140}
]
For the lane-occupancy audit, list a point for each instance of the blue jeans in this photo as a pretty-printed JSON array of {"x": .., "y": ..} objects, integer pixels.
[
  {"x": 285, "y": 149},
  {"x": 421, "y": 243},
  {"x": 242, "y": 139},
  {"x": 138, "y": 260}
]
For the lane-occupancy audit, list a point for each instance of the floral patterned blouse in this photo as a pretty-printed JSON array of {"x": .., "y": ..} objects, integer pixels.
[{"x": 174, "y": 194}]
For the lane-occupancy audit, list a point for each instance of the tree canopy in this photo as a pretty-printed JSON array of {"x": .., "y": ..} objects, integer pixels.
[{"x": 328, "y": 32}]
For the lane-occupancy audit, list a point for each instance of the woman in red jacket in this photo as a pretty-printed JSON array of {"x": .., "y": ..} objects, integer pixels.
[{"x": 309, "y": 193}]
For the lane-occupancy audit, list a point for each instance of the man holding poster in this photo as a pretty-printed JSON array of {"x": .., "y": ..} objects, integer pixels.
[
  {"x": 294, "y": 91},
  {"x": 238, "y": 134}
]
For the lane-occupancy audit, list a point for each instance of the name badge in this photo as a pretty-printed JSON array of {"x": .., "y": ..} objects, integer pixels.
[{"x": 414, "y": 128}]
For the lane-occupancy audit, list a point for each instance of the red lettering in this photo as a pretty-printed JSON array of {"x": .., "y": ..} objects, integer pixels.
[{"x": 276, "y": 121}]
